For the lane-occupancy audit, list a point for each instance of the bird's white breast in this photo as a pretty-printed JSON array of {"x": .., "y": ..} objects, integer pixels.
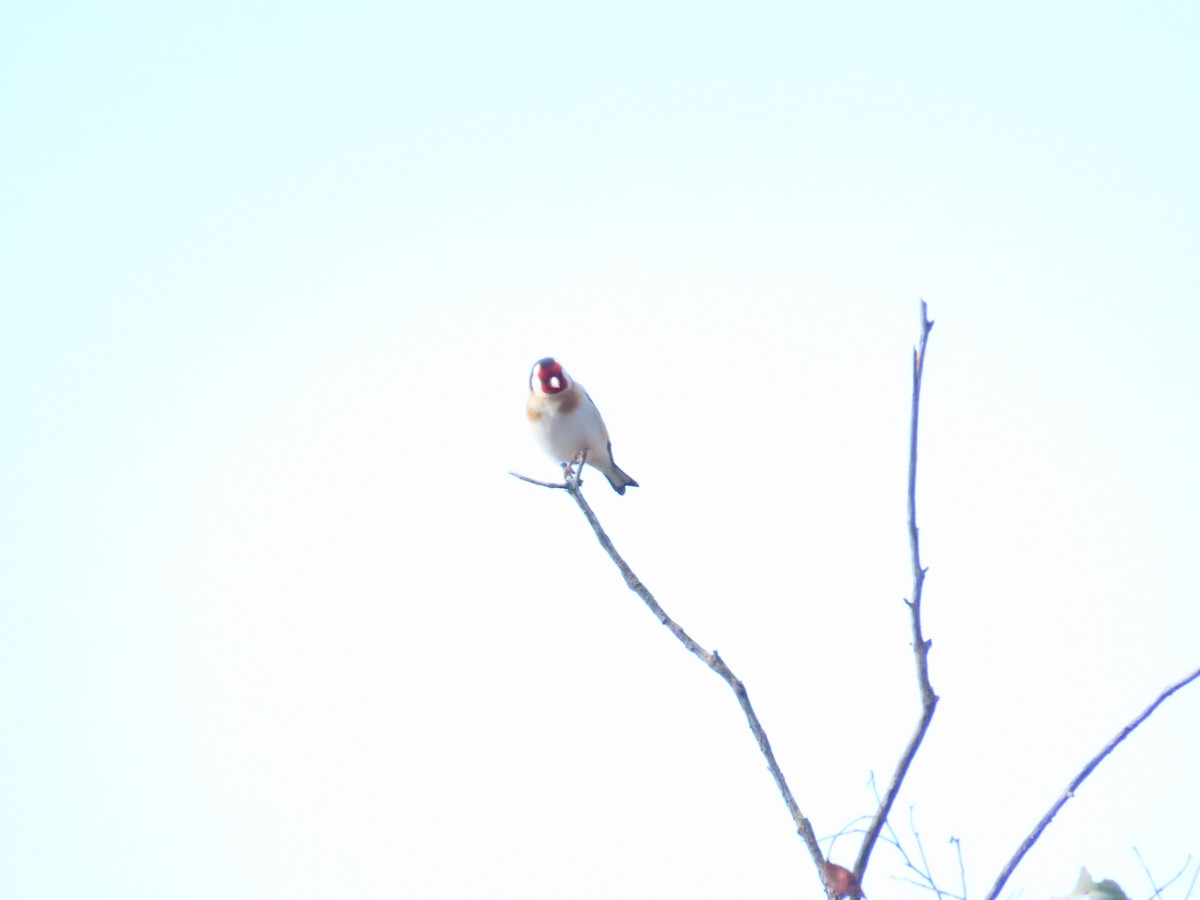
[{"x": 563, "y": 436}]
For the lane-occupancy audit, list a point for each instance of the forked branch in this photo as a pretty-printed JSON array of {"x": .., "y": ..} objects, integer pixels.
[{"x": 837, "y": 881}]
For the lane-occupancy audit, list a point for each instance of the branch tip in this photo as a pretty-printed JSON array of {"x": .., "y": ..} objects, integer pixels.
[
  {"x": 919, "y": 644},
  {"x": 546, "y": 484}
]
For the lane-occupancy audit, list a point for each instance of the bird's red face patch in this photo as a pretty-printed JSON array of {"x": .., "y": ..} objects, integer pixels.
[{"x": 549, "y": 376}]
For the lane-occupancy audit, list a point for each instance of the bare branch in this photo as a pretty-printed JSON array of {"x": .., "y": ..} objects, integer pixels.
[
  {"x": 919, "y": 644},
  {"x": 714, "y": 662},
  {"x": 1079, "y": 779},
  {"x": 710, "y": 659}
]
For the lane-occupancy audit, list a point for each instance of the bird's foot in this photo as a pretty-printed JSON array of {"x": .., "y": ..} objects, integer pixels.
[{"x": 571, "y": 474}]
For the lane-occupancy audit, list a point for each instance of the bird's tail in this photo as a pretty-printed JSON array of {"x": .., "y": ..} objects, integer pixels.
[{"x": 618, "y": 479}]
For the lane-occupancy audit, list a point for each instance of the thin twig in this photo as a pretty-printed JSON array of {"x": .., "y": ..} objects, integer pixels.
[
  {"x": 1159, "y": 888},
  {"x": 912, "y": 824},
  {"x": 571, "y": 475},
  {"x": 1079, "y": 779},
  {"x": 849, "y": 828},
  {"x": 1154, "y": 887},
  {"x": 713, "y": 661},
  {"x": 545, "y": 484},
  {"x": 888, "y": 836},
  {"x": 1170, "y": 881},
  {"x": 923, "y": 884},
  {"x": 962, "y": 871},
  {"x": 1191, "y": 887},
  {"x": 919, "y": 644}
]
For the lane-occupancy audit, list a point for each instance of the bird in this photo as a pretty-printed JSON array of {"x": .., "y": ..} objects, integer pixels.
[{"x": 567, "y": 425}]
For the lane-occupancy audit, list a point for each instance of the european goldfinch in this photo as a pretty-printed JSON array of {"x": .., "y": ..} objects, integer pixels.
[{"x": 567, "y": 424}]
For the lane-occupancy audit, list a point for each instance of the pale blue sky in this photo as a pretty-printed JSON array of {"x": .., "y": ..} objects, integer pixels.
[{"x": 276, "y": 623}]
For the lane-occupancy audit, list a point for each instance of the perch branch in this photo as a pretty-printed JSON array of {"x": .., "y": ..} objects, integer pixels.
[
  {"x": 713, "y": 661},
  {"x": 919, "y": 644},
  {"x": 710, "y": 658},
  {"x": 1079, "y": 779}
]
